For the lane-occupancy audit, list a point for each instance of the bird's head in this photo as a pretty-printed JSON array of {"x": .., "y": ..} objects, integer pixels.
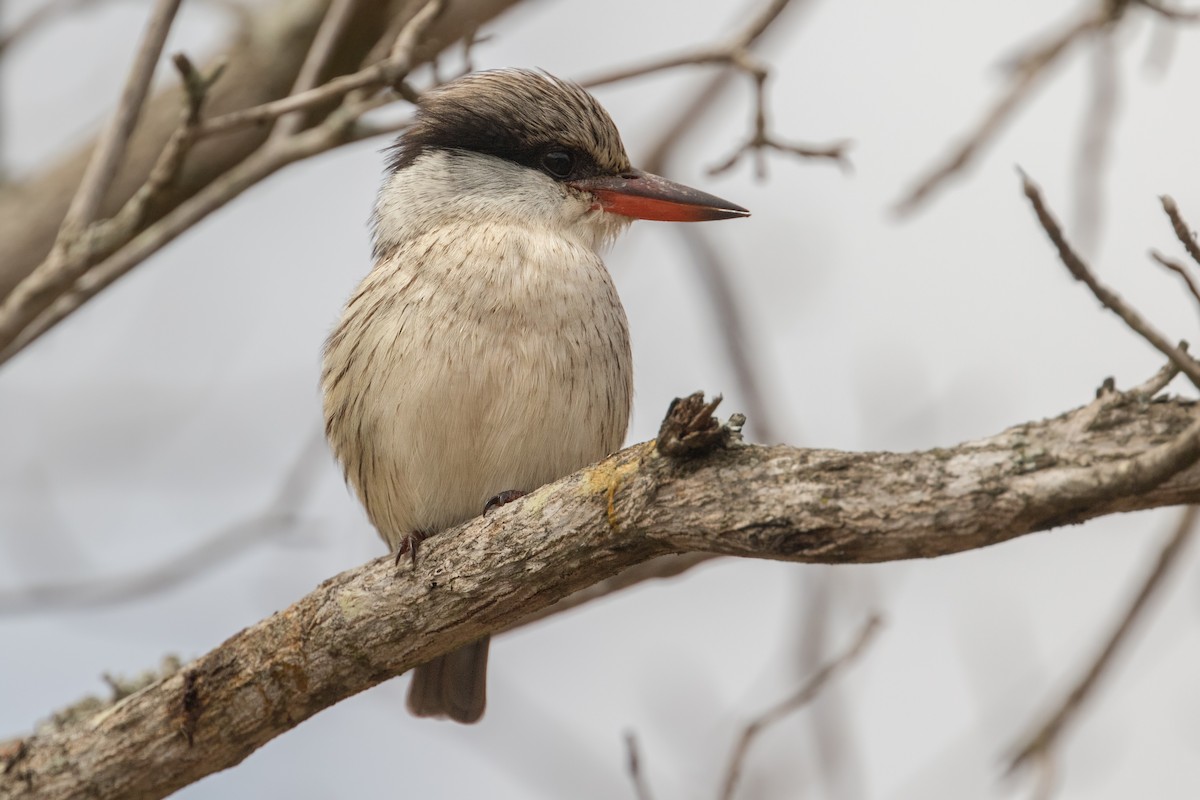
[{"x": 525, "y": 145}]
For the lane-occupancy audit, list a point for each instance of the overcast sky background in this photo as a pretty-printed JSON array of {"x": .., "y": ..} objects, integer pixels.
[{"x": 174, "y": 405}]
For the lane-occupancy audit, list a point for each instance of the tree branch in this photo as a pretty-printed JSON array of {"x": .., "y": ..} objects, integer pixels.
[{"x": 379, "y": 620}]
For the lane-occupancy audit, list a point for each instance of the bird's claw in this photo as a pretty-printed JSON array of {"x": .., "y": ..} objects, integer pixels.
[
  {"x": 409, "y": 544},
  {"x": 504, "y": 498}
]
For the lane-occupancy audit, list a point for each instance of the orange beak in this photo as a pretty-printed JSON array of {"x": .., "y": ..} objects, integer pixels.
[{"x": 641, "y": 195}]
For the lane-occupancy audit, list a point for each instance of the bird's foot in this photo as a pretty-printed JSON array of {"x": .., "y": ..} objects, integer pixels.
[
  {"x": 409, "y": 544},
  {"x": 504, "y": 498}
]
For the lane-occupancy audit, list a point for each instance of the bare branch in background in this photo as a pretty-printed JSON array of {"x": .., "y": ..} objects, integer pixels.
[
  {"x": 263, "y": 61},
  {"x": 333, "y": 25},
  {"x": 641, "y": 789},
  {"x": 1091, "y": 161},
  {"x": 1044, "y": 739},
  {"x": 1028, "y": 70},
  {"x": 760, "y": 140},
  {"x": 794, "y": 703},
  {"x": 728, "y": 310},
  {"x": 1113, "y": 302},
  {"x": 280, "y": 517},
  {"x": 110, "y": 149},
  {"x": 74, "y": 246},
  {"x": 18, "y": 329}
]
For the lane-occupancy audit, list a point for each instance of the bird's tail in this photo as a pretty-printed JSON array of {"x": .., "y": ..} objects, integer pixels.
[{"x": 453, "y": 685}]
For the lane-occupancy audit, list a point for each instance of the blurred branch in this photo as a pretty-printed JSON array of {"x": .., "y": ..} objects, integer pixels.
[
  {"x": 376, "y": 621},
  {"x": 1027, "y": 70},
  {"x": 1040, "y": 744},
  {"x": 641, "y": 789},
  {"x": 798, "y": 700},
  {"x": 1091, "y": 160},
  {"x": 280, "y": 517},
  {"x": 714, "y": 274}
]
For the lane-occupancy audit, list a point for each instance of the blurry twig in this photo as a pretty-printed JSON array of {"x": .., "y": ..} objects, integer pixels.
[
  {"x": 1027, "y": 70},
  {"x": 715, "y": 277},
  {"x": 797, "y": 701},
  {"x": 641, "y": 789},
  {"x": 280, "y": 516},
  {"x": 1042, "y": 741},
  {"x": 1096, "y": 138}
]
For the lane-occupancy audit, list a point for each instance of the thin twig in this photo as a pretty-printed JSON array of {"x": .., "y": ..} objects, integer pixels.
[
  {"x": 1079, "y": 269},
  {"x": 641, "y": 789},
  {"x": 1045, "y": 737},
  {"x": 1180, "y": 270},
  {"x": 315, "y": 60},
  {"x": 802, "y": 697},
  {"x": 761, "y": 140},
  {"x": 711, "y": 54},
  {"x": 1182, "y": 231},
  {"x": 114, "y": 140},
  {"x": 1092, "y": 157}
]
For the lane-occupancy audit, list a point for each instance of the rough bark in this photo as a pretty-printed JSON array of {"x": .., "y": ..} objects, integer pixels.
[
  {"x": 262, "y": 65},
  {"x": 1121, "y": 453}
]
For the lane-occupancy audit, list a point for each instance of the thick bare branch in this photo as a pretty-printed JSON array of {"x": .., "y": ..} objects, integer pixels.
[{"x": 377, "y": 621}]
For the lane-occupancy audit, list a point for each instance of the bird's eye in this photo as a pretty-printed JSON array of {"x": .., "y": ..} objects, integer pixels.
[{"x": 558, "y": 163}]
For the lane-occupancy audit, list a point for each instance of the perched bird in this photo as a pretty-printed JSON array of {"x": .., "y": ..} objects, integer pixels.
[{"x": 487, "y": 352}]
